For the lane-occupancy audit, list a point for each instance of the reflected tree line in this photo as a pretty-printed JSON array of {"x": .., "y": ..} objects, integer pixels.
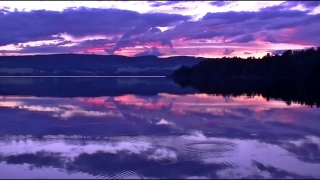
[{"x": 292, "y": 77}]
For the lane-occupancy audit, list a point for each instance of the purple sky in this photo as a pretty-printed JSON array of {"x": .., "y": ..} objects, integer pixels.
[{"x": 163, "y": 28}]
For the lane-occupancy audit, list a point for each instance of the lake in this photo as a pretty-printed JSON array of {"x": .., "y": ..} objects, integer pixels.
[{"x": 150, "y": 128}]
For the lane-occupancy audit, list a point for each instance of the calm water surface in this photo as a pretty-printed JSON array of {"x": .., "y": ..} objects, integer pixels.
[{"x": 157, "y": 136}]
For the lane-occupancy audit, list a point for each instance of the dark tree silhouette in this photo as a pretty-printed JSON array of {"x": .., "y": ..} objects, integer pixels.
[{"x": 293, "y": 77}]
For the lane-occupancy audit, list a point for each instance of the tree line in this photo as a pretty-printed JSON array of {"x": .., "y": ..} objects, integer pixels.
[{"x": 293, "y": 76}]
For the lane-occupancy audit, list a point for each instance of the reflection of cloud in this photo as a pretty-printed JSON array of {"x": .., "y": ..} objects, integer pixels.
[
  {"x": 128, "y": 99},
  {"x": 241, "y": 172},
  {"x": 40, "y": 108},
  {"x": 311, "y": 139},
  {"x": 68, "y": 114},
  {"x": 241, "y": 137},
  {"x": 108, "y": 158},
  {"x": 196, "y": 136},
  {"x": 62, "y": 111},
  {"x": 144, "y": 114},
  {"x": 164, "y": 122},
  {"x": 73, "y": 148},
  {"x": 10, "y": 103},
  {"x": 307, "y": 149},
  {"x": 39, "y": 159},
  {"x": 161, "y": 157},
  {"x": 24, "y": 172},
  {"x": 163, "y": 153}
]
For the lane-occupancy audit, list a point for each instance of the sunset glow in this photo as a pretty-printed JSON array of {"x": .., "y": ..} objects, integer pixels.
[{"x": 161, "y": 28}]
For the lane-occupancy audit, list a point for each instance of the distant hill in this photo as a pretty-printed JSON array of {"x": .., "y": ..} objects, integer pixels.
[{"x": 96, "y": 65}]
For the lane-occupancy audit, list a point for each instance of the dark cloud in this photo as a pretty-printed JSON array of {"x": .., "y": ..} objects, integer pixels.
[
  {"x": 19, "y": 27},
  {"x": 202, "y": 29},
  {"x": 163, "y": 3},
  {"x": 306, "y": 4},
  {"x": 283, "y": 23},
  {"x": 155, "y": 30},
  {"x": 310, "y": 4},
  {"x": 246, "y": 53},
  {"x": 244, "y": 39},
  {"x": 3, "y": 11},
  {"x": 141, "y": 32},
  {"x": 154, "y": 51},
  {"x": 220, "y": 3},
  {"x": 270, "y": 37},
  {"x": 263, "y": 14},
  {"x": 279, "y": 52},
  {"x": 228, "y": 51},
  {"x": 179, "y": 8},
  {"x": 63, "y": 43},
  {"x": 225, "y": 16},
  {"x": 59, "y": 47},
  {"x": 46, "y": 48},
  {"x": 271, "y": 23},
  {"x": 96, "y": 42}
]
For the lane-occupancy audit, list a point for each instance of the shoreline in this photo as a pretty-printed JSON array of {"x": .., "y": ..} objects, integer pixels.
[{"x": 82, "y": 76}]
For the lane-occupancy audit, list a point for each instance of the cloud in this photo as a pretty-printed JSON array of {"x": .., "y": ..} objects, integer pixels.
[
  {"x": 96, "y": 42},
  {"x": 20, "y": 27},
  {"x": 307, "y": 4},
  {"x": 89, "y": 46},
  {"x": 220, "y": 3},
  {"x": 46, "y": 48},
  {"x": 59, "y": 47},
  {"x": 179, "y": 8},
  {"x": 244, "y": 38},
  {"x": 122, "y": 29},
  {"x": 285, "y": 26},
  {"x": 228, "y": 51},
  {"x": 163, "y": 3},
  {"x": 154, "y": 51},
  {"x": 144, "y": 31},
  {"x": 3, "y": 11}
]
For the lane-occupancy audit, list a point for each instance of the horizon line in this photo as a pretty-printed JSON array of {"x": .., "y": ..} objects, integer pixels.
[
  {"x": 165, "y": 56},
  {"x": 77, "y": 76}
]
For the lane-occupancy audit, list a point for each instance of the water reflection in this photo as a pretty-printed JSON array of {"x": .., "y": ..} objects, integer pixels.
[
  {"x": 161, "y": 136},
  {"x": 76, "y": 87}
]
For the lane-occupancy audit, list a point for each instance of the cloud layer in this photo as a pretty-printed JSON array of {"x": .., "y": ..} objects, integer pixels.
[{"x": 174, "y": 30}]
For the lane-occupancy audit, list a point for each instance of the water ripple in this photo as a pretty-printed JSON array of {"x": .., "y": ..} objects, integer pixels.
[
  {"x": 217, "y": 150},
  {"x": 209, "y": 146},
  {"x": 125, "y": 175}
]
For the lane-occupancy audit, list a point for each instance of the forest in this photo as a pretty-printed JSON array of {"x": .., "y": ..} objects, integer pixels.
[{"x": 293, "y": 76}]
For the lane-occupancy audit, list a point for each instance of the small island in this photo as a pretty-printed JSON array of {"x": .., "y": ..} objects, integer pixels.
[{"x": 292, "y": 77}]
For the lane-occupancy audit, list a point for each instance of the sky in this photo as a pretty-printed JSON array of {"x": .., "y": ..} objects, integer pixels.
[{"x": 160, "y": 28}]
